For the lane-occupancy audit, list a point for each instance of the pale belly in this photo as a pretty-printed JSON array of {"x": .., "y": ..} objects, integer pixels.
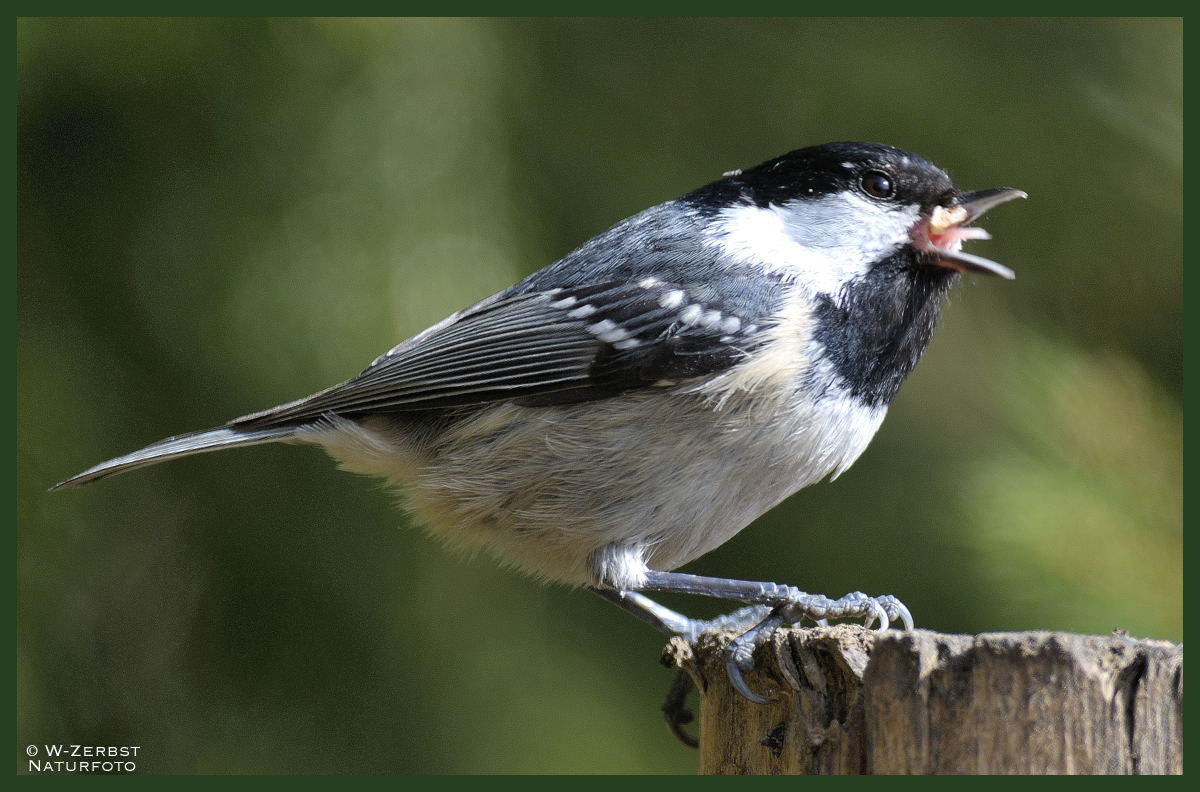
[{"x": 601, "y": 491}]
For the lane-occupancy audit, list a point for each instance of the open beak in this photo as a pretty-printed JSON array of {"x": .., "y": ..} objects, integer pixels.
[{"x": 941, "y": 235}]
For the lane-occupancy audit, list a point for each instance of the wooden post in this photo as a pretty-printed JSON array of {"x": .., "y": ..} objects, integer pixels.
[{"x": 923, "y": 702}]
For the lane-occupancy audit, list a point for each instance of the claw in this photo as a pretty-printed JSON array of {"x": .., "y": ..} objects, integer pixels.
[
  {"x": 877, "y": 614},
  {"x": 740, "y": 654},
  {"x": 739, "y": 684},
  {"x": 897, "y": 610}
]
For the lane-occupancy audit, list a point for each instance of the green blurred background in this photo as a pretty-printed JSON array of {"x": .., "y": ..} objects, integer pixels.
[{"x": 217, "y": 216}]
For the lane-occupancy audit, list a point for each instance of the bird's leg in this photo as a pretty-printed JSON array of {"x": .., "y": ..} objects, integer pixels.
[
  {"x": 670, "y": 622},
  {"x": 771, "y": 605}
]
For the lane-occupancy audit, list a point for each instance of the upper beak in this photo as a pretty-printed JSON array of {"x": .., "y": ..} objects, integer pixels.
[{"x": 944, "y": 231}]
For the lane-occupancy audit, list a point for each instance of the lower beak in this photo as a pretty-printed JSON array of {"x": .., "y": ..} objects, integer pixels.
[{"x": 945, "y": 232}]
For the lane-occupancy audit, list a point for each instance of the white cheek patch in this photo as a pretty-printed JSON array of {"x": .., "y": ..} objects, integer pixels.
[{"x": 825, "y": 242}]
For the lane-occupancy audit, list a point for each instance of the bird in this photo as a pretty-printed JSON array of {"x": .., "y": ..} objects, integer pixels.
[{"x": 641, "y": 400}]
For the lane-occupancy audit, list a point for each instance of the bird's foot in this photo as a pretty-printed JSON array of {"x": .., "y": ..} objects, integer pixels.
[
  {"x": 792, "y": 607},
  {"x": 680, "y": 654},
  {"x": 772, "y": 606},
  {"x": 675, "y": 710}
]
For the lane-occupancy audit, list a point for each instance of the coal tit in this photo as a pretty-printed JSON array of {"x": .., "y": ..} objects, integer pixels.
[{"x": 642, "y": 399}]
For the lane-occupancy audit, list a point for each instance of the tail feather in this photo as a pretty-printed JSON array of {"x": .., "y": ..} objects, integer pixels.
[{"x": 175, "y": 447}]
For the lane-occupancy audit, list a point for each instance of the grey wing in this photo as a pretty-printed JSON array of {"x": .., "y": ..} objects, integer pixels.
[{"x": 555, "y": 346}]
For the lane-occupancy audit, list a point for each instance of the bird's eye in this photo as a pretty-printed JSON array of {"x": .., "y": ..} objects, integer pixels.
[{"x": 877, "y": 185}]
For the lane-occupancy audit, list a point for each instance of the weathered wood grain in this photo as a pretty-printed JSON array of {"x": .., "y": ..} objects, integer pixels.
[{"x": 924, "y": 702}]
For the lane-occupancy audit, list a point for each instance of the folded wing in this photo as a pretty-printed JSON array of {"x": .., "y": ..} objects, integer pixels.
[{"x": 555, "y": 346}]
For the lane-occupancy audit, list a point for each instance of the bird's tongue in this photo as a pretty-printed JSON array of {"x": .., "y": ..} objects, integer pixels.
[{"x": 953, "y": 237}]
